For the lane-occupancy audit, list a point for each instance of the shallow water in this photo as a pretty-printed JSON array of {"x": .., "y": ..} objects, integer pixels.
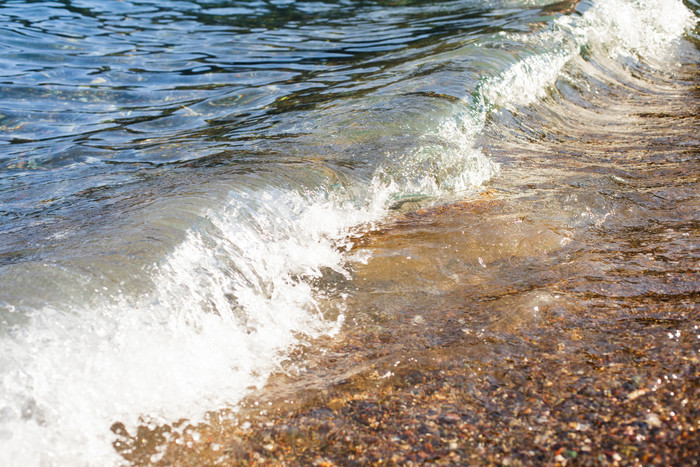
[
  {"x": 553, "y": 319},
  {"x": 195, "y": 196}
]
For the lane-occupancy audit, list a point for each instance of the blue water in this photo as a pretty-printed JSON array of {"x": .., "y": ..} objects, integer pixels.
[{"x": 179, "y": 180}]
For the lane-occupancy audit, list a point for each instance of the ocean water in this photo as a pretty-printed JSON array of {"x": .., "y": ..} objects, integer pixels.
[{"x": 183, "y": 184}]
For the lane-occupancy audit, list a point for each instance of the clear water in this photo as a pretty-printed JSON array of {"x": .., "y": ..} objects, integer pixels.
[{"x": 182, "y": 183}]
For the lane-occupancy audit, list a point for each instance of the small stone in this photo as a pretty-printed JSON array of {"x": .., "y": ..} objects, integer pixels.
[
  {"x": 634, "y": 394},
  {"x": 580, "y": 426},
  {"x": 450, "y": 418},
  {"x": 653, "y": 420}
]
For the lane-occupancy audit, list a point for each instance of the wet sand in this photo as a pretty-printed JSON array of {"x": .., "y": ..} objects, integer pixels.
[{"x": 552, "y": 320}]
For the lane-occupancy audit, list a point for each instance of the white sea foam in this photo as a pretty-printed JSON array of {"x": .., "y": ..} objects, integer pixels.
[
  {"x": 526, "y": 81},
  {"x": 230, "y": 301},
  {"x": 646, "y": 29},
  {"x": 446, "y": 162}
]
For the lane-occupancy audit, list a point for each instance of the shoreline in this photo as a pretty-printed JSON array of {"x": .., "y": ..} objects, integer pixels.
[{"x": 569, "y": 346}]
